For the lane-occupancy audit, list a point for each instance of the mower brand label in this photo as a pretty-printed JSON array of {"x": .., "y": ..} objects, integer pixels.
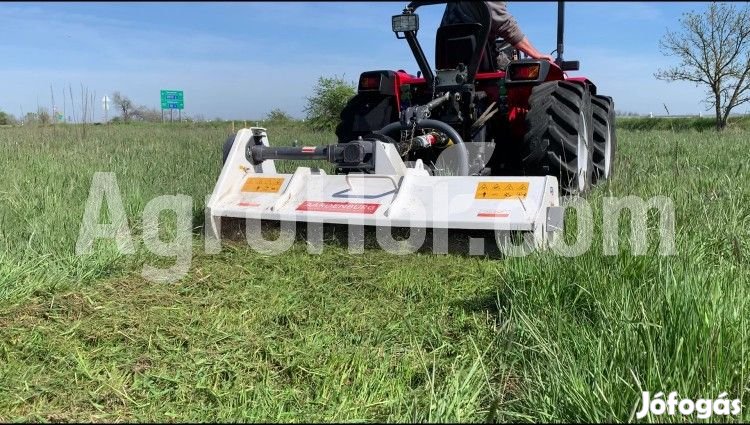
[
  {"x": 502, "y": 190},
  {"x": 338, "y": 207},
  {"x": 308, "y": 149},
  {"x": 262, "y": 184},
  {"x": 247, "y": 204},
  {"x": 494, "y": 214}
]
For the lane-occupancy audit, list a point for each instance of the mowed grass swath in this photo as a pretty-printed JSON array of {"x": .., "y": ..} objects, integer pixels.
[{"x": 344, "y": 337}]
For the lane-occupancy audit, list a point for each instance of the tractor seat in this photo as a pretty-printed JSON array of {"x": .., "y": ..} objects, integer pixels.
[{"x": 457, "y": 43}]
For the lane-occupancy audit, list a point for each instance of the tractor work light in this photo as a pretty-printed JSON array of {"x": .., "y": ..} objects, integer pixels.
[
  {"x": 369, "y": 82},
  {"x": 405, "y": 23},
  {"x": 524, "y": 72}
]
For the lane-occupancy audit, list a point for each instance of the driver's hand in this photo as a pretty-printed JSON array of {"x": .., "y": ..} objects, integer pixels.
[{"x": 547, "y": 57}]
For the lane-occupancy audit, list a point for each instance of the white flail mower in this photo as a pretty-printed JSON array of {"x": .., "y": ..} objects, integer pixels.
[{"x": 375, "y": 187}]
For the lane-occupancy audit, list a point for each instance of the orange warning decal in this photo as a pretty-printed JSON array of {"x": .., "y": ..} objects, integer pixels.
[
  {"x": 339, "y": 207},
  {"x": 262, "y": 184},
  {"x": 502, "y": 190}
]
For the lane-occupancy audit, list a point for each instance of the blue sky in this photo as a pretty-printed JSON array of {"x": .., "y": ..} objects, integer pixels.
[{"x": 240, "y": 60}]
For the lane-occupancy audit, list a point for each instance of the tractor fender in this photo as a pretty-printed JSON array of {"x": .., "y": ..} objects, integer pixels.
[{"x": 584, "y": 81}]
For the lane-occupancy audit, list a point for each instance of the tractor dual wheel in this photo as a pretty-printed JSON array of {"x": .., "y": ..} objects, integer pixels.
[
  {"x": 605, "y": 140},
  {"x": 559, "y": 137}
]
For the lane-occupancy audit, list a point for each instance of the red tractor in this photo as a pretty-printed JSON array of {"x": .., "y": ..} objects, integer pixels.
[{"x": 538, "y": 120}]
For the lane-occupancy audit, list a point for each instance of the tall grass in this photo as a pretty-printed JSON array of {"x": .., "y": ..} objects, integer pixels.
[
  {"x": 343, "y": 337},
  {"x": 48, "y": 173}
]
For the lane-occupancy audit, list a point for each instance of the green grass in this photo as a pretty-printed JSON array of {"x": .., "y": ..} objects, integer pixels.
[{"x": 343, "y": 337}]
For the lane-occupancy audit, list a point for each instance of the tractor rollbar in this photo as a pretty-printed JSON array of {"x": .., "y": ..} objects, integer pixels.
[
  {"x": 560, "y": 30},
  {"x": 563, "y": 64},
  {"x": 419, "y": 55},
  {"x": 416, "y": 48}
]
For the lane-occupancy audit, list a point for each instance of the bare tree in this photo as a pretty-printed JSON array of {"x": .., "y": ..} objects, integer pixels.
[
  {"x": 43, "y": 116},
  {"x": 126, "y": 106},
  {"x": 714, "y": 51},
  {"x": 146, "y": 114}
]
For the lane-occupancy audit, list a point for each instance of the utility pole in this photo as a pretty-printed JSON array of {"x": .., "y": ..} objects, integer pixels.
[{"x": 105, "y": 106}]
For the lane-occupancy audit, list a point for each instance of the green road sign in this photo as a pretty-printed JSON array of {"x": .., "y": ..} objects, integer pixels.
[{"x": 172, "y": 99}]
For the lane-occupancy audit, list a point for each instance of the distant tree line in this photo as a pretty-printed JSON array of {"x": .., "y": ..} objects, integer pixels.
[
  {"x": 322, "y": 109},
  {"x": 42, "y": 116},
  {"x": 627, "y": 114}
]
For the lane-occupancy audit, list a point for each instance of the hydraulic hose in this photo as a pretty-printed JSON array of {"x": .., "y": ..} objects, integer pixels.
[{"x": 452, "y": 134}]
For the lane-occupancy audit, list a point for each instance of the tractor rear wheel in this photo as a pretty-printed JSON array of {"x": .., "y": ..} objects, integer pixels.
[
  {"x": 605, "y": 140},
  {"x": 559, "y": 136}
]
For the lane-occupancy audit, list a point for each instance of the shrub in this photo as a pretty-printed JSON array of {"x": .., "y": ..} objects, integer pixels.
[
  {"x": 277, "y": 115},
  {"x": 330, "y": 95}
]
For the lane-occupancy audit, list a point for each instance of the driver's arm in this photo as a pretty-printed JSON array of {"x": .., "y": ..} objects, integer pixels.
[
  {"x": 525, "y": 46},
  {"x": 504, "y": 25}
]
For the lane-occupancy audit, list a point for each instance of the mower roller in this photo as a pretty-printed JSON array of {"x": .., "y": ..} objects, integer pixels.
[{"x": 481, "y": 143}]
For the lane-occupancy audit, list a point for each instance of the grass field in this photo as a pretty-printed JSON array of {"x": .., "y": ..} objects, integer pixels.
[{"x": 343, "y": 337}]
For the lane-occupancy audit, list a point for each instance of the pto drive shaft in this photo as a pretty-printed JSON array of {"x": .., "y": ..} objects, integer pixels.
[{"x": 352, "y": 153}]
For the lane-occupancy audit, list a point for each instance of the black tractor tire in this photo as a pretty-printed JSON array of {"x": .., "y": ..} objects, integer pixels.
[
  {"x": 605, "y": 139},
  {"x": 227, "y": 147},
  {"x": 559, "y": 135}
]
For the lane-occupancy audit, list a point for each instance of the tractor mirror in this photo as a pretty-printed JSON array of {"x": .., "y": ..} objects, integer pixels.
[{"x": 405, "y": 23}]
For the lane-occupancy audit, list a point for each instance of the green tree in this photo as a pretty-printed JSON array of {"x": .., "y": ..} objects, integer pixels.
[
  {"x": 6, "y": 118},
  {"x": 328, "y": 100}
]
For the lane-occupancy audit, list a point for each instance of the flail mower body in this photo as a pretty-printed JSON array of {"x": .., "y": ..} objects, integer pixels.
[{"x": 391, "y": 194}]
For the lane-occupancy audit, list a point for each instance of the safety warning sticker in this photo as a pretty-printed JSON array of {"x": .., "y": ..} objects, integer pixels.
[
  {"x": 502, "y": 190},
  {"x": 262, "y": 184},
  {"x": 338, "y": 207}
]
